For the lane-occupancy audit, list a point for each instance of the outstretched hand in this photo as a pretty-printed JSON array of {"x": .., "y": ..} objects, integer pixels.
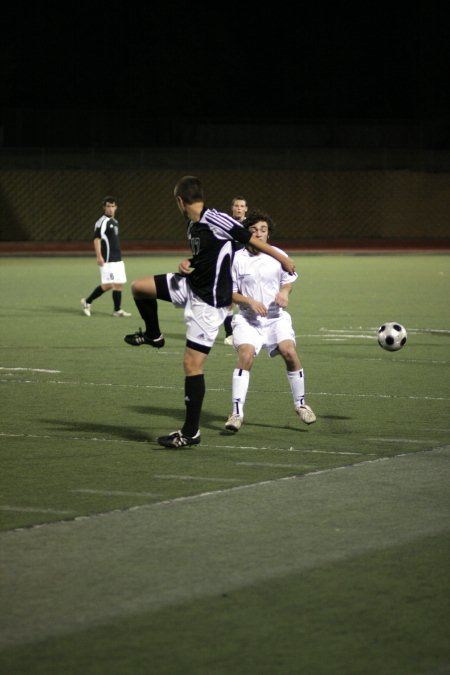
[
  {"x": 185, "y": 266},
  {"x": 288, "y": 265}
]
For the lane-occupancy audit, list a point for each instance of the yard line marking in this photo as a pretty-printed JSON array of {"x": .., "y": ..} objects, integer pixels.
[
  {"x": 439, "y": 331},
  {"x": 291, "y": 449},
  {"x": 30, "y": 509},
  {"x": 341, "y": 336},
  {"x": 208, "y": 478},
  {"x": 96, "y": 384},
  {"x": 210, "y": 445},
  {"x": 222, "y": 389},
  {"x": 34, "y": 370},
  {"x": 426, "y": 361},
  {"x": 402, "y": 440},
  {"x": 73, "y": 438},
  {"x": 117, "y": 493},
  {"x": 395, "y": 396},
  {"x": 275, "y": 466}
]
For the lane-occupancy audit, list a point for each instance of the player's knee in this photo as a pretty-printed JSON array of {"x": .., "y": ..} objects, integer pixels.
[
  {"x": 289, "y": 354},
  {"x": 245, "y": 360},
  {"x": 143, "y": 288}
]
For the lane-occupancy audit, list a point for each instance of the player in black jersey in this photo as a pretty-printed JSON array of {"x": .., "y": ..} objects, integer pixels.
[
  {"x": 109, "y": 259},
  {"x": 239, "y": 210},
  {"x": 203, "y": 287}
]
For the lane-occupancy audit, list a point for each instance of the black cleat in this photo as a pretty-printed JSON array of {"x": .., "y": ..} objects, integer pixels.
[
  {"x": 178, "y": 440},
  {"x": 139, "y": 338}
]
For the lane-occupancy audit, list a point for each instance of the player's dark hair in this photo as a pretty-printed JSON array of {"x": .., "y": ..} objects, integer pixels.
[
  {"x": 255, "y": 217},
  {"x": 238, "y": 199},
  {"x": 109, "y": 199},
  {"x": 190, "y": 189}
]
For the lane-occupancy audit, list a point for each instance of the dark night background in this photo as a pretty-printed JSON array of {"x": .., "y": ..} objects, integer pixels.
[{"x": 125, "y": 75}]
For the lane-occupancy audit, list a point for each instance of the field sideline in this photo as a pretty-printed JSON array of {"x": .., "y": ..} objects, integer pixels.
[{"x": 281, "y": 549}]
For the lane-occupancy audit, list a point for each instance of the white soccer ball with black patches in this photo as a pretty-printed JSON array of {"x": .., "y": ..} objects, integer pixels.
[{"x": 392, "y": 336}]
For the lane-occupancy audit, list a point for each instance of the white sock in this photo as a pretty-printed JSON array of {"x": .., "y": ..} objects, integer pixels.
[
  {"x": 297, "y": 384},
  {"x": 241, "y": 380}
]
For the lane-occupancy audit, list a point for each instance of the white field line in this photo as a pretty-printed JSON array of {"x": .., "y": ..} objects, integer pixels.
[
  {"x": 34, "y": 370},
  {"x": 75, "y": 383},
  {"x": 291, "y": 449},
  {"x": 213, "y": 479},
  {"x": 402, "y": 440},
  {"x": 234, "y": 488},
  {"x": 29, "y": 509},
  {"x": 392, "y": 396},
  {"x": 116, "y": 493},
  {"x": 343, "y": 336},
  {"x": 147, "y": 442},
  {"x": 428, "y": 362},
  {"x": 275, "y": 466},
  {"x": 374, "y": 329}
]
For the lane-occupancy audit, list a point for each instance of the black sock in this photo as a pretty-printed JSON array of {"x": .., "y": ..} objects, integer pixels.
[
  {"x": 117, "y": 300},
  {"x": 148, "y": 309},
  {"x": 96, "y": 293},
  {"x": 227, "y": 325},
  {"x": 194, "y": 393}
]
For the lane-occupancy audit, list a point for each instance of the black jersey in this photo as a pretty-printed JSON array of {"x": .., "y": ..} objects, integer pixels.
[
  {"x": 211, "y": 240},
  {"x": 107, "y": 229}
]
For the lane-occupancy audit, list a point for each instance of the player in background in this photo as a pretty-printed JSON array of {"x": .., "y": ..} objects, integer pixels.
[
  {"x": 239, "y": 210},
  {"x": 202, "y": 287},
  {"x": 261, "y": 289},
  {"x": 109, "y": 259}
]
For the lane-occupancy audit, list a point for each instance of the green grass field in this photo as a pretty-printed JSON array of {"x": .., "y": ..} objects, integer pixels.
[{"x": 280, "y": 550}]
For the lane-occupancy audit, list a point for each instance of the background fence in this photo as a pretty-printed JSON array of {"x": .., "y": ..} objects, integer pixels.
[{"x": 42, "y": 203}]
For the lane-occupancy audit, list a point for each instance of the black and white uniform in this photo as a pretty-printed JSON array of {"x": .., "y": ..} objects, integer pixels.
[
  {"x": 107, "y": 230},
  {"x": 206, "y": 292}
]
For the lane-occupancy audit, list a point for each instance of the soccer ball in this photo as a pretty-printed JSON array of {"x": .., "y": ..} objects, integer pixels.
[{"x": 392, "y": 336}]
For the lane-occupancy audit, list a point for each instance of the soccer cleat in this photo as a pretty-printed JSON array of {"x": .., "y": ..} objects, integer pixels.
[
  {"x": 234, "y": 422},
  {"x": 275, "y": 352},
  {"x": 139, "y": 338},
  {"x": 306, "y": 414},
  {"x": 86, "y": 307},
  {"x": 121, "y": 312},
  {"x": 228, "y": 340},
  {"x": 178, "y": 440}
]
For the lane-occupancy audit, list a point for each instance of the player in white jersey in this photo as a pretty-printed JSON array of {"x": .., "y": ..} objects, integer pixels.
[
  {"x": 203, "y": 288},
  {"x": 261, "y": 289},
  {"x": 109, "y": 259}
]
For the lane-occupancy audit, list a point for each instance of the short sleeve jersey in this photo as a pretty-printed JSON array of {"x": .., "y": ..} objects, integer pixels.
[
  {"x": 259, "y": 277},
  {"x": 211, "y": 240},
  {"x": 107, "y": 229}
]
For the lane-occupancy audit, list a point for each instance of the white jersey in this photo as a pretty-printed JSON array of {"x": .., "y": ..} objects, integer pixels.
[{"x": 259, "y": 276}]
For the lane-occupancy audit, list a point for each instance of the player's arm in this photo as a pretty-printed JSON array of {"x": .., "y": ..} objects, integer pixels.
[
  {"x": 282, "y": 297},
  {"x": 285, "y": 262},
  {"x": 98, "y": 251},
  {"x": 185, "y": 266},
  {"x": 255, "y": 305}
]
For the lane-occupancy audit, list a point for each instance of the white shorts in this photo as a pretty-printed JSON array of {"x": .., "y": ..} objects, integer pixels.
[
  {"x": 266, "y": 333},
  {"x": 113, "y": 273},
  {"x": 202, "y": 320}
]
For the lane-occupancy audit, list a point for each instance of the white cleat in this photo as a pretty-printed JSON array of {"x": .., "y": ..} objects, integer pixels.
[
  {"x": 233, "y": 423},
  {"x": 306, "y": 414},
  {"x": 121, "y": 312},
  {"x": 229, "y": 341},
  {"x": 86, "y": 307}
]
